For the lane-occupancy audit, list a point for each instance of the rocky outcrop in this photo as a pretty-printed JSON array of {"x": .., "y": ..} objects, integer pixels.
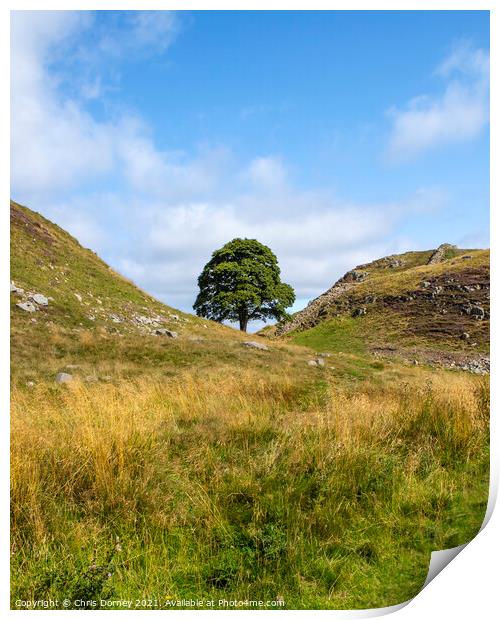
[
  {"x": 30, "y": 302},
  {"x": 313, "y": 313},
  {"x": 439, "y": 255}
]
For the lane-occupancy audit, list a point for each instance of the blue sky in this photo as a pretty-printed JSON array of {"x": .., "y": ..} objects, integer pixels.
[{"x": 334, "y": 137}]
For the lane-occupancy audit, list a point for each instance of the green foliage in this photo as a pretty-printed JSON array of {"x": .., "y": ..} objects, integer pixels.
[{"x": 241, "y": 282}]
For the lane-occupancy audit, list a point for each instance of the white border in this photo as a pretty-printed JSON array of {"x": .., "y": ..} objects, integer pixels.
[{"x": 468, "y": 586}]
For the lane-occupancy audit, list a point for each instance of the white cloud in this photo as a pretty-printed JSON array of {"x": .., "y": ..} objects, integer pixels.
[
  {"x": 153, "y": 29},
  {"x": 316, "y": 237},
  {"x": 163, "y": 213},
  {"x": 458, "y": 114},
  {"x": 55, "y": 142},
  {"x": 265, "y": 173}
]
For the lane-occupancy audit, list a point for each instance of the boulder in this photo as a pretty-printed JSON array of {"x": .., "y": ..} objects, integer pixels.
[
  {"x": 319, "y": 361},
  {"x": 27, "y": 306},
  {"x": 63, "y": 377},
  {"x": 256, "y": 345},
  {"x": 39, "y": 299},
  {"x": 165, "y": 332}
]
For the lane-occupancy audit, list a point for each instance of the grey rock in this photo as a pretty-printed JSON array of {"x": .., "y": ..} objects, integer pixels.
[
  {"x": 476, "y": 312},
  {"x": 27, "y": 306},
  {"x": 154, "y": 321},
  {"x": 16, "y": 289},
  {"x": 319, "y": 361},
  {"x": 355, "y": 276},
  {"x": 438, "y": 256},
  {"x": 39, "y": 299},
  {"x": 359, "y": 312},
  {"x": 256, "y": 345},
  {"x": 165, "y": 332},
  {"x": 396, "y": 263},
  {"x": 63, "y": 377}
]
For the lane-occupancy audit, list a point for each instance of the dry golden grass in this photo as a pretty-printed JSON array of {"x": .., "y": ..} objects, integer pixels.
[{"x": 219, "y": 459}]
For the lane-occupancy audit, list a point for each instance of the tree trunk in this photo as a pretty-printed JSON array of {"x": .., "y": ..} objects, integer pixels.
[{"x": 243, "y": 321}]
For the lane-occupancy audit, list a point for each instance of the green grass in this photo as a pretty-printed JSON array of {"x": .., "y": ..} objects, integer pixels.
[
  {"x": 325, "y": 496},
  {"x": 342, "y": 334},
  {"x": 206, "y": 470}
]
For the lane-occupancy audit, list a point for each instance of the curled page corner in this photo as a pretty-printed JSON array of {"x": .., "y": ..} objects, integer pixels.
[{"x": 440, "y": 559}]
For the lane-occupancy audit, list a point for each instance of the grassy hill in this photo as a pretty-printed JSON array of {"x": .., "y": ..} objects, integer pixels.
[
  {"x": 195, "y": 467},
  {"x": 98, "y": 325},
  {"x": 419, "y": 305}
]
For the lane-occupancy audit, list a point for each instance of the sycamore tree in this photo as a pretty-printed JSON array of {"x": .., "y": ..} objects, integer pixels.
[{"x": 241, "y": 283}]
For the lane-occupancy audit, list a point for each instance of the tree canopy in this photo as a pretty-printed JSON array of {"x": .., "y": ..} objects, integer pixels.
[{"x": 241, "y": 283}]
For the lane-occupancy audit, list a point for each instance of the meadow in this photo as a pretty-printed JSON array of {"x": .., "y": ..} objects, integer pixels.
[{"x": 302, "y": 490}]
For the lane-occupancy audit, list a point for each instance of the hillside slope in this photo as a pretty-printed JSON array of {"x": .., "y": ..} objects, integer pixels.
[
  {"x": 80, "y": 288},
  {"x": 70, "y": 312},
  {"x": 436, "y": 302},
  {"x": 195, "y": 468}
]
